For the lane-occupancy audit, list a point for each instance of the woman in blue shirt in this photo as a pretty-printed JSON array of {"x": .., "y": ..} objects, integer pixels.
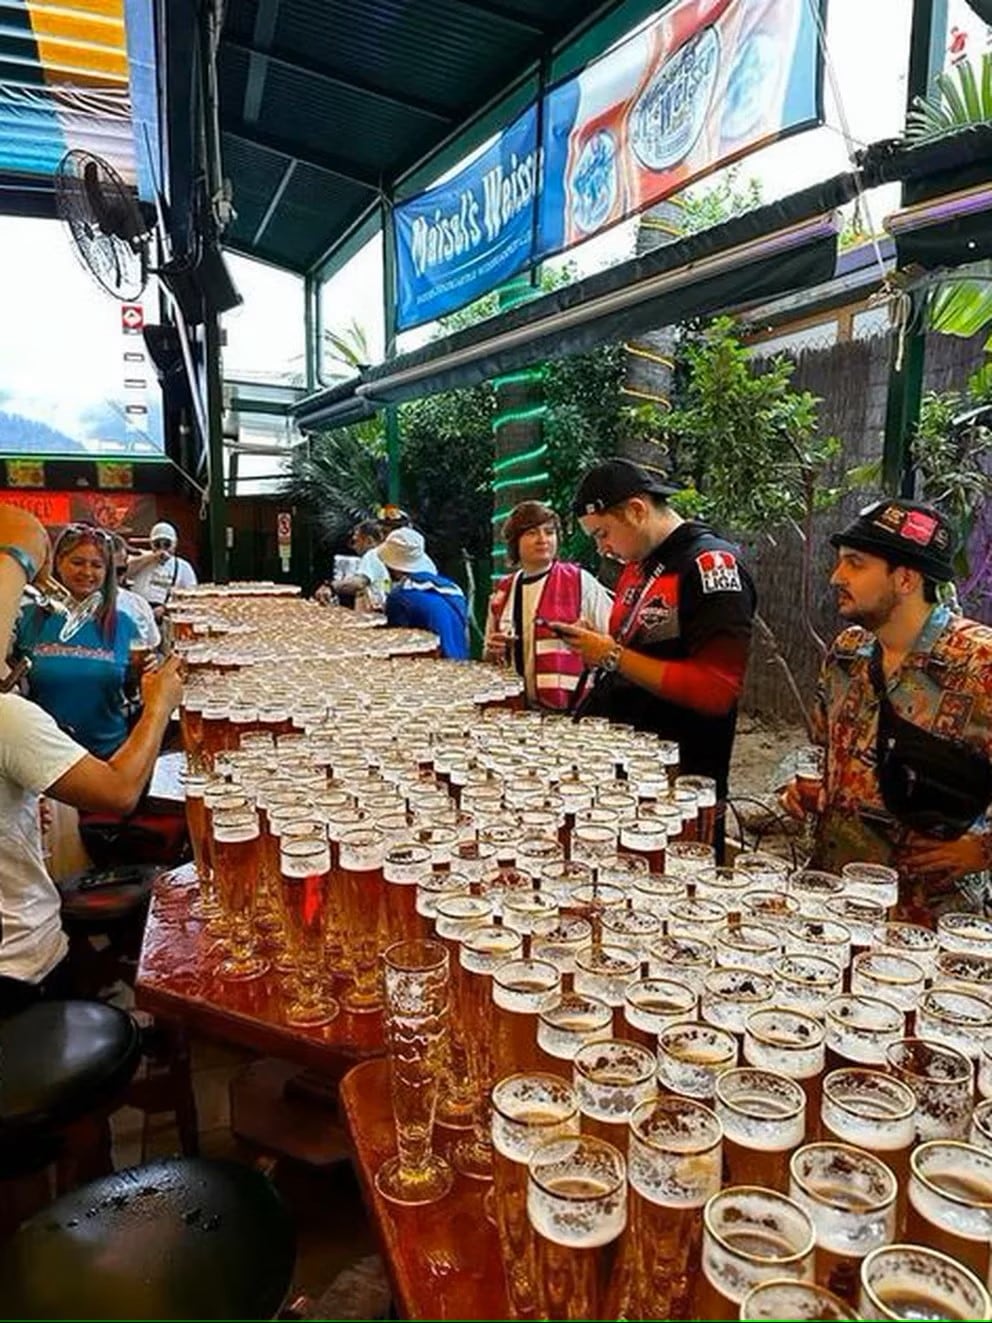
[{"x": 80, "y": 682}]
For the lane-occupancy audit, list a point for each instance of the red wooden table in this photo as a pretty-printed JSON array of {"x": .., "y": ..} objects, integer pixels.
[
  {"x": 177, "y": 981},
  {"x": 443, "y": 1259}
]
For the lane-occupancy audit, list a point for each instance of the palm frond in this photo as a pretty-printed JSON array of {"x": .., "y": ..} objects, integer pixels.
[
  {"x": 960, "y": 97},
  {"x": 338, "y": 480}
]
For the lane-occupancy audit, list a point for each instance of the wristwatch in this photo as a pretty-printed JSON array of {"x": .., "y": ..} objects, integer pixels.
[
  {"x": 22, "y": 558},
  {"x": 612, "y": 659}
]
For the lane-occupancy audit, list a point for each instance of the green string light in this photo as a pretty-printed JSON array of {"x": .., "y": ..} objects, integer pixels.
[
  {"x": 500, "y": 515},
  {"x": 515, "y": 378},
  {"x": 519, "y": 415},
  {"x": 520, "y": 480},
  {"x": 510, "y": 461}
]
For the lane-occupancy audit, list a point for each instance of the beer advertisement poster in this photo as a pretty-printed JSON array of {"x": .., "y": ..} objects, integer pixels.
[
  {"x": 468, "y": 234},
  {"x": 694, "y": 88}
]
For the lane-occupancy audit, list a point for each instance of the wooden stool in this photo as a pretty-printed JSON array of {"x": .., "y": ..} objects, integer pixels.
[
  {"x": 179, "y": 1238},
  {"x": 109, "y": 904}
]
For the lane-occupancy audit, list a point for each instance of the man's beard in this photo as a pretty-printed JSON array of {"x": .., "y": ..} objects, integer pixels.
[{"x": 871, "y": 618}]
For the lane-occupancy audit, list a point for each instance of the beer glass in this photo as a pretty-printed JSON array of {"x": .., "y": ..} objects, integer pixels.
[
  {"x": 960, "y": 1019},
  {"x": 560, "y": 877},
  {"x": 696, "y": 918},
  {"x": 415, "y": 978},
  {"x": 851, "y": 1198},
  {"x": 647, "y": 839},
  {"x": 874, "y": 882},
  {"x": 560, "y": 940},
  {"x": 360, "y": 888},
  {"x": 634, "y": 929},
  {"x": 481, "y": 952},
  {"x": 403, "y": 867},
  {"x": 433, "y": 887},
  {"x": 522, "y": 910},
  {"x": 980, "y": 1130},
  {"x": 763, "y": 1115},
  {"x": 236, "y": 864},
  {"x": 673, "y": 1165},
  {"x": 721, "y": 884},
  {"x": 196, "y": 824},
  {"x": 950, "y": 1201},
  {"x": 750, "y": 1235},
  {"x": 815, "y": 889},
  {"x": 692, "y": 1056},
  {"x": 967, "y": 934},
  {"x": 973, "y": 973},
  {"x": 704, "y": 788},
  {"x": 454, "y": 916},
  {"x": 729, "y": 995},
  {"x": 625, "y": 871},
  {"x": 568, "y": 1025},
  {"x": 859, "y": 1029},
  {"x": 819, "y": 937},
  {"x": 941, "y": 1080},
  {"x": 872, "y": 1111},
  {"x": 650, "y": 1004},
  {"x": 592, "y": 844},
  {"x": 217, "y": 796},
  {"x": 521, "y": 990},
  {"x": 606, "y": 972},
  {"x": 908, "y": 939},
  {"x": 892, "y": 978},
  {"x": 748, "y": 945},
  {"x": 772, "y": 908},
  {"x": 794, "y": 1300},
  {"x": 191, "y": 728},
  {"x": 910, "y": 1281},
  {"x": 682, "y": 958},
  {"x": 806, "y": 982},
  {"x": 305, "y": 874},
  {"x": 590, "y": 900},
  {"x": 859, "y": 916},
  {"x": 577, "y": 1205},
  {"x": 655, "y": 892},
  {"x": 610, "y": 1078},
  {"x": 689, "y": 860},
  {"x": 790, "y": 1043},
  {"x": 527, "y": 1111},
  {"x": 762, "y": 869}
]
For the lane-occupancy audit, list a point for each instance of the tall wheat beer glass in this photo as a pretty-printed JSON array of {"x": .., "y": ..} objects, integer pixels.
[
  {"x": 528, "y": 1110},
  {"x": 577, "y": 1205},
  {"x": 750, "y": 1235}
]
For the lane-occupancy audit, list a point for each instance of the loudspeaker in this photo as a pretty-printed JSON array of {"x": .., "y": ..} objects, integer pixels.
[{"x": 162, "y": 343}]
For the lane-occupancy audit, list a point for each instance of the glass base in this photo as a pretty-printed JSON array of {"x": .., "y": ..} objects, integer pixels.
[
  {"x": 242, "y": 970},
  {"x": 301, "y": 1016},
  {"x": 473, "y": 1159},
  {"x": 426, "y": 1186},
  {"x": 356, "y": 1003},
  {"x": 455, "y": 1113}
]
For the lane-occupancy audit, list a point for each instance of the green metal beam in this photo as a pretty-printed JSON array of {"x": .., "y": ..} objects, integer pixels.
[
  {"x": 905, "y": 390},
  {"x": 391, "y": 415}
]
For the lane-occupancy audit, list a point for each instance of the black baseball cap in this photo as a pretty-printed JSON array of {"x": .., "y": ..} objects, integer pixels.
[
  {"x": 614, "y": 481},
  {"x": 907, "y": 533}
]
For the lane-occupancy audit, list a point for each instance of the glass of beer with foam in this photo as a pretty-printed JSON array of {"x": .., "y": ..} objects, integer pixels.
[
  {"x": 913, "y": 1282},
  {"x": 763, "y": 1115}
]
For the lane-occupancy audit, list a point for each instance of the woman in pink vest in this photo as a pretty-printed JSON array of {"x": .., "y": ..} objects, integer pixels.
[{"x": 542, "y": 591}]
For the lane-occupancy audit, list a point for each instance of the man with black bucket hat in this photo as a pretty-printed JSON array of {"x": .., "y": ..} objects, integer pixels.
[
  {"x": 904, "y": 712},
  {"x": 677, "y": 648}
]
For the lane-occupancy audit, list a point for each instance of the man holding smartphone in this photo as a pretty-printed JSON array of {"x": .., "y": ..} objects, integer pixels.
[{"x": 676, "y": 652}]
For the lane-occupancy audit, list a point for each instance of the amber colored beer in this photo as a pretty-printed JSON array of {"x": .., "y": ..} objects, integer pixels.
[
  {"x": 216, "y": 731},
  {"x": 521, "y": 989},
  {"x": 360, "y": 885},
  {"x": 763, "y": 1115},
  {"x": 950, "y": 1201},
  {"x": 196, "y": 822},
  {"x": 304, "y": 901},
  {"x": 875, "y": 1112}
]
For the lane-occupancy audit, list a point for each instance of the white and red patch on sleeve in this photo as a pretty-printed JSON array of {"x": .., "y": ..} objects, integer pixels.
[{"x": 719, "y": 572}]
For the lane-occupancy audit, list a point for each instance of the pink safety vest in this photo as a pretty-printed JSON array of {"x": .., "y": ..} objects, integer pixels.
[{"x": 557, "y": 668}]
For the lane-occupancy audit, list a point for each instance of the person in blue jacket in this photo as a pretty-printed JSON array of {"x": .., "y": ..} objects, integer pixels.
[
  {"x": 80, "y": 681},
  {"x": 420, "y": 597}
]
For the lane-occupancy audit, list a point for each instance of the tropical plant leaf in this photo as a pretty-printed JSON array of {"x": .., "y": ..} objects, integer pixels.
[
  {"x": 960, "y": 97},
  {"x": 963, "y": 306}
]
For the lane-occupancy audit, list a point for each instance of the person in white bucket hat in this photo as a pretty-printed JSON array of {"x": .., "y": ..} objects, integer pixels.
[
  {"x": 155, "y": 573},
  {"x": 420, "y": 597}
]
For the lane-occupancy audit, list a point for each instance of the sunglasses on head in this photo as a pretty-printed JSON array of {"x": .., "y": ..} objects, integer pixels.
[{"x": 86, "y": 532}]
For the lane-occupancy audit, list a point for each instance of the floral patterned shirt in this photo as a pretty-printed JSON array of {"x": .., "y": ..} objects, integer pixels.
[{"x": 944, "y": 685}]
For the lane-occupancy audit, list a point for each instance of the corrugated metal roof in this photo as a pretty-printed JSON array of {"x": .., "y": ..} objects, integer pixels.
[{"x": 348, "y": 97}]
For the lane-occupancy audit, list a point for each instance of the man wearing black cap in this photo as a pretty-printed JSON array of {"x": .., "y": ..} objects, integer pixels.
[
  {"x": 904, "y": 711},
  {"x": 675, "y": 656}
]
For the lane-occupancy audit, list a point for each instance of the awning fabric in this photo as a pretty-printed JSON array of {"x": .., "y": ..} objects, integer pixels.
[{"x": 70, "y": 71}]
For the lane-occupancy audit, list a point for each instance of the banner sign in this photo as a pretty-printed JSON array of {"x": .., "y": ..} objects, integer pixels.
[
  {"x": 699, "y": 85},
  {"x": 464, "y": 237}
]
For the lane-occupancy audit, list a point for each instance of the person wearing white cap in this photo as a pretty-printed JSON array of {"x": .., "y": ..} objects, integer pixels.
[
  {"x": 155, "y": 573},
  {"x": 420, "y": 597}
]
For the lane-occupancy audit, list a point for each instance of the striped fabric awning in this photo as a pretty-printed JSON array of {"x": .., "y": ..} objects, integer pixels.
[{"x": 77, "y": 74}]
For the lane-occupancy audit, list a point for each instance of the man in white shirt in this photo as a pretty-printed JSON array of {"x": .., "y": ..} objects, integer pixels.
[
  {"x": 37, "y": 757},
  {"x": 133, "y": 604},
  {"x": 154, "y": 574}
]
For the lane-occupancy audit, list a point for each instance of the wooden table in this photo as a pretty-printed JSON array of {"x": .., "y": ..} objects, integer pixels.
[
  {"x": 443, "y": 1259},
  {"x": 177, "y": 981}
]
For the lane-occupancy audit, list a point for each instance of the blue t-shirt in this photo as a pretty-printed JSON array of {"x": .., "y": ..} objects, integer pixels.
[
  {"x": 430, "y": 601},
  {"x": 80, "y": 683}
]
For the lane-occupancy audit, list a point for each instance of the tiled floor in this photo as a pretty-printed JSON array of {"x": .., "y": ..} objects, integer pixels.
[{"x": 332, "y": 1229}]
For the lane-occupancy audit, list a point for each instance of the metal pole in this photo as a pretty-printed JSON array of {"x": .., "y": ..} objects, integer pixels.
[
  {"x": 311, "y": 351},
  {"x": 905, "y": 392},
  {"x": 390, "y": 414},
  {"x": 215, "y": 446}
]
